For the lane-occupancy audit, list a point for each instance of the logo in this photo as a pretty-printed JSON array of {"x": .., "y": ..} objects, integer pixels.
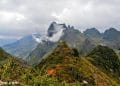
[{"x": 8, "y": 83}]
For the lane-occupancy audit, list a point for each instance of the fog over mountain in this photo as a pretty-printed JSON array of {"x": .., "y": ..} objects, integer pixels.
[{"x": 22, "y": 17}]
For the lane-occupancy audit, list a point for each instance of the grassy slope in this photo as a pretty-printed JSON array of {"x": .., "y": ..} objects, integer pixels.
[
  {"x": 101, "y": 78},
  {"x": 63, "y": 65},
  {"x": 3, "y": 55},
  {"x": 106, "y": 60},
  {"x": 11, "y": 68}
]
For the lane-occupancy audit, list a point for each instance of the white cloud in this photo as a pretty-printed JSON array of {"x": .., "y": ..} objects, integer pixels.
[
  {"x": 3, "y": 1},
  {"x": 7, "y": 17},
  {"x": 62, "y": 16},
  {"x": 90, "y": 13},
  {"x": 22, "y": 17}
]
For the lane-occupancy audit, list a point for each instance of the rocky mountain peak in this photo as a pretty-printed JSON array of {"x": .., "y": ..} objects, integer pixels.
[
  {"x": 111, "y": 34},
  {"x": 55, "y": 28},
  {"x": 92, "y": 32}
]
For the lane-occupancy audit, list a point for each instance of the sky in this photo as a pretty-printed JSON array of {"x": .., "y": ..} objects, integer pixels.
[{"x": 22, "y": 17}]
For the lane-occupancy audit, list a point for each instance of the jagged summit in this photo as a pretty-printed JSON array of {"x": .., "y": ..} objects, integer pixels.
[
  {"x": 111, "y": 34},
  {"x": 55, "y": 31},
  {"x": 55, "y": 28},
  {"x": 92, "y": 32},
  {"x": 113, "y": 29}
]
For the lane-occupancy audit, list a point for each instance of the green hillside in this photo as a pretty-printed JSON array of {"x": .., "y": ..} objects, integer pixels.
[
  {"x": 105, "y": 58},
  {"x": 3, "y": 55},
  {"x": 65, "y": 65}
]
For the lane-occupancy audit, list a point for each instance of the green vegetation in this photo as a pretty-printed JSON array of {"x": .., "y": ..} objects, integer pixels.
[
  {"x": 64, "y": 67},
  {"x": 3, "y": 55},
  {"x": 106, "y": 58}
]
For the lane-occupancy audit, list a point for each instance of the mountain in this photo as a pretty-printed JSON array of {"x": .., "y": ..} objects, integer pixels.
[
  {"x": 112, "y": 36},
  {"x": 21, "y": 48},
  {"x": 11, "y": 68},
  {"x": 64, "y": 64},
  {"x": 94, "y": 37},
  {"x": 41, "y": 49},
  {"x": 56, "y": 32},
  {"x": 105, "y": 58},
  {"x": 33, "y": 47},
  {"x": 93, "y": 32},
  {"x": 65, "y": 33},
  {"x": 83, "y": 42},
  {"x": 72, "y": 36},
  {"x": 54, "y": 28},
  {"x": 87, "y": 46},
  {"x": 6, "y": 41},
  {"x": 4, "y": 55}
]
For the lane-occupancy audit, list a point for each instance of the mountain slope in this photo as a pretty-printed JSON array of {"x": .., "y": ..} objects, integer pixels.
[
  {"x": 11, "y": 68},
  {"x": 106, "y": 59},
  {"x": 57, "y": 32},
  {"x": 15, "y": 72},
  {"x": 54, "y": 33},
  {"x": 73, "y": 37},
  {"x": 42, "y": 49},
  {"x": 63, "y": 64},
  {"x": 6, "y": 41},
  {"x": 112, "y": 36},
  {"x": 3, "y": 55},
  {"x": 22, "y": 47}
]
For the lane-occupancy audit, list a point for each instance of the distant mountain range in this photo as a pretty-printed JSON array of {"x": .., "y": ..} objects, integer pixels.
[
  {"x": 33, "y": 47},
  {"x": 93, "y": 32},
  {"x": 6, "y": 41},
  {"x": 22, "y": 47},
  {"x": 83, "y": 42}
]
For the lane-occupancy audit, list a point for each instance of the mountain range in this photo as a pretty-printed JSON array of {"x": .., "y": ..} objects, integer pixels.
[
  {"x": 33, "y": 47},
  {"x": 64, "y": 56},
  {"x": 6, "y": 41}
]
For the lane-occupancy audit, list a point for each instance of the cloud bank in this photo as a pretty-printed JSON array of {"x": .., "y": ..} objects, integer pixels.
[{"x": 22, "y": 17}]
